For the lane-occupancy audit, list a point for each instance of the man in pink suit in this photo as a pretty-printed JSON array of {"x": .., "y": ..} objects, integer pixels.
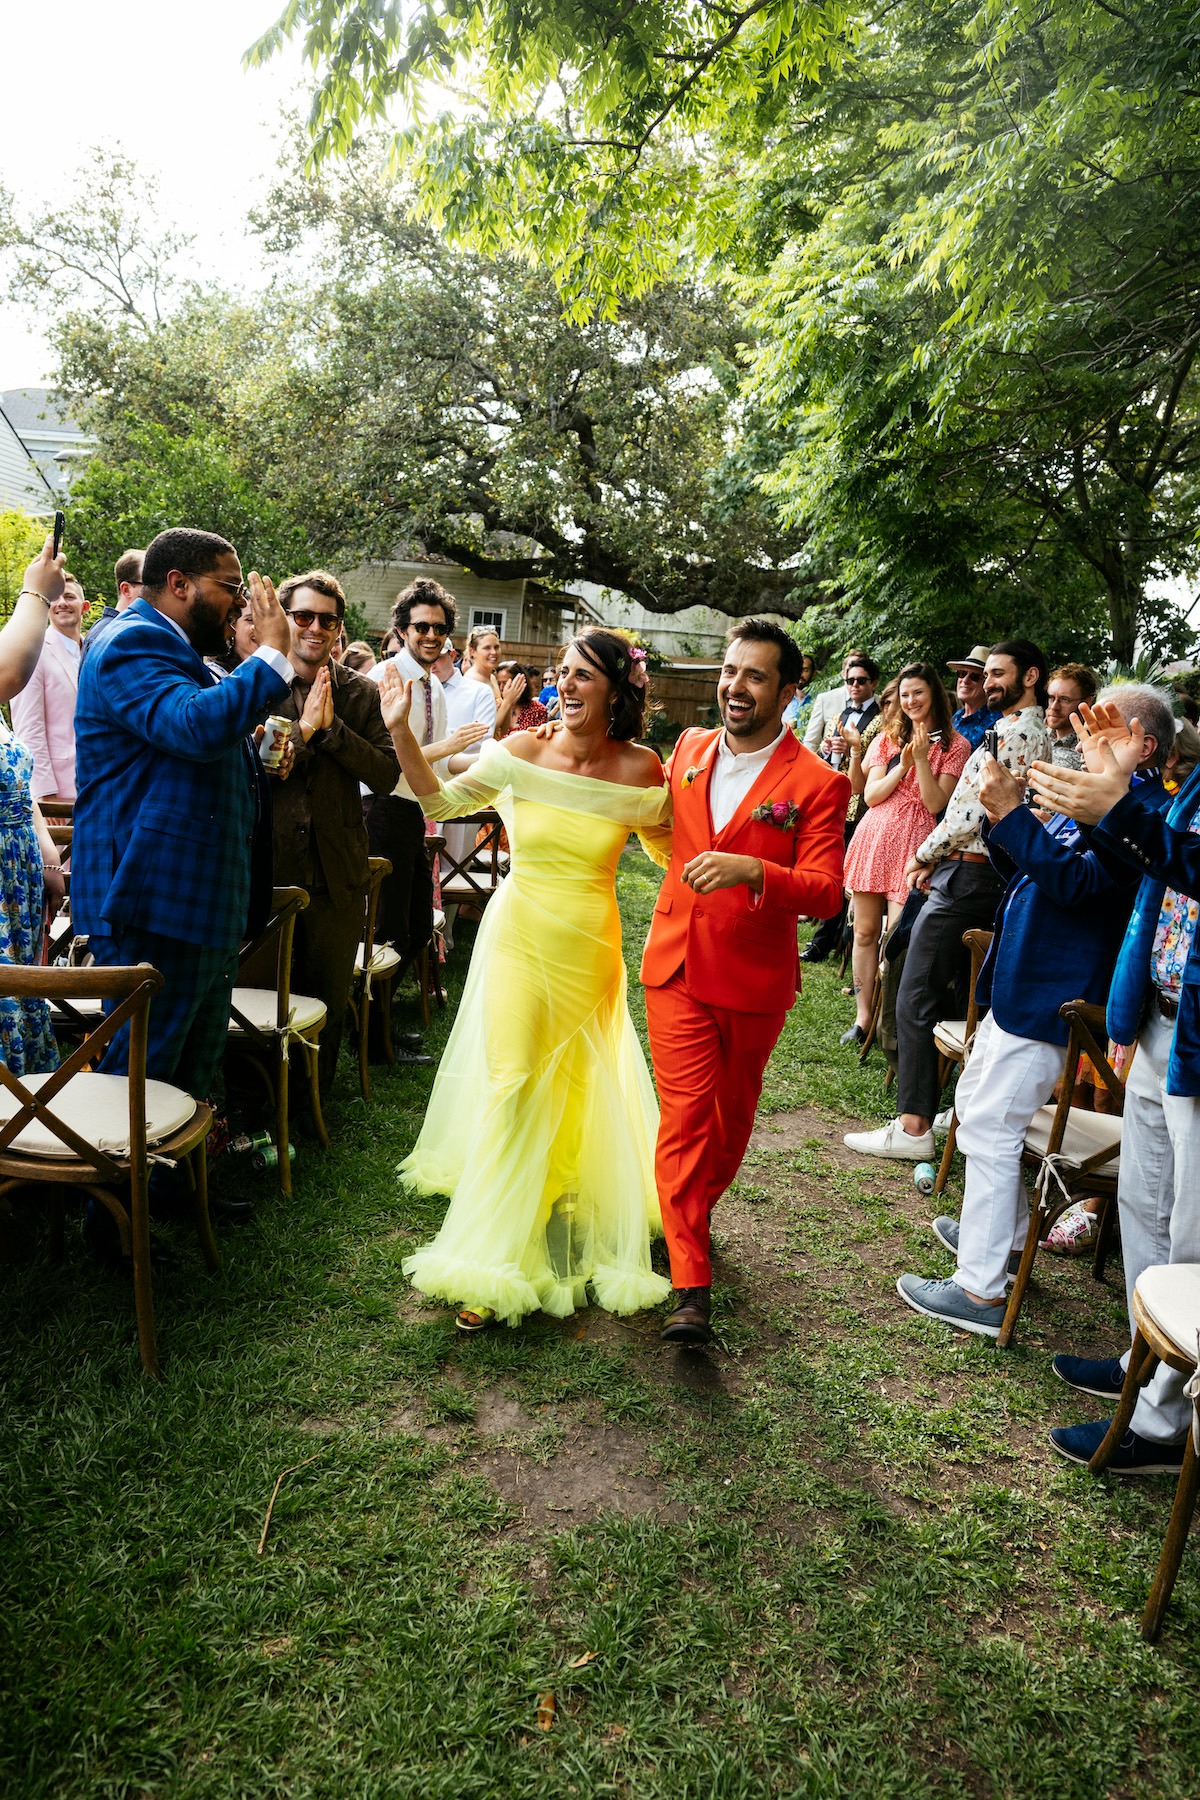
[{"x": 43, "y": 713}]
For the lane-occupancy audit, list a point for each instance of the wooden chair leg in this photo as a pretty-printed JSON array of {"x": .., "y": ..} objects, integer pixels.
[
  {"x": 1037, "y": 1216},
  {"x": 283, "y": 1162},
  {"x": 423, "y": 983},
  {"x": 873, "y": 1026},
  {"x": 1142, "y": 1364},
  {"x": 209, "y": 1248},
  {"x": 1104, "y": 1237},
  {"x": 943, "y": 1174},
  {"x": 435, "y": 970},
  {"x": 363, "y": 1020},
  {"x": 1174, "y": 1543},
  {"x": 385, "y": 1019},
  {"x": 314, "y": 1094},
  {"x": 143, "y": 1292}
]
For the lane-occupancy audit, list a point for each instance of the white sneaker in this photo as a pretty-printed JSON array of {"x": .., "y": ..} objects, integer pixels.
[
  {"x": 941, "y": 1125},
  {"x": 891, "y": 1140}
]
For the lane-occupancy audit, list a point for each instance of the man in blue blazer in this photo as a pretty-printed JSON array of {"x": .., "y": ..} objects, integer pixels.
[
  {"x": 1155, "y": 1002},
  {"x": 1057, "y": 933},
  {"x": 167, "y": 794}
]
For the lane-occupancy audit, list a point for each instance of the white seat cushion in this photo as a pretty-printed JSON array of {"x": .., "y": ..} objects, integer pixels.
[
  {"x": 90, "y": 1008},
  {"x": 1170, "y": 1294},
  {"x": 1085, "y": 1135},
  {"x": 260, "y": 1006},
  {"x": 97, "y": 1107},
  {"x": 950, "y": 1036},
  {"x": 439, "y": 921},
  {"x": 459, "y": 891},
  {"x": 385, "y": 958}
]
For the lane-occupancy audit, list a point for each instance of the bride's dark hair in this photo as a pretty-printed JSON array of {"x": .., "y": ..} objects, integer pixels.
[{"x": 610, "y": 653}]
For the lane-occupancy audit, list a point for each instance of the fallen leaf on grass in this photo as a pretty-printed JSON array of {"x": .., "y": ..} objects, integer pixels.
[
  {"x": 546, "y": 1710},
  {"x": 581, "y": 1661}
]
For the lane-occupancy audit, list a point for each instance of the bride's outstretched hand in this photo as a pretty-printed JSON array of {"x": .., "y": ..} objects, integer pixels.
[{"x": 395, "y": 697}]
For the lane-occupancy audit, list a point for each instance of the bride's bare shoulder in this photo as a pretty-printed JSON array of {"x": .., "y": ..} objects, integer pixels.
[
  {"x": 525, "y": 745},
  {"x": 642, "y": 767}
]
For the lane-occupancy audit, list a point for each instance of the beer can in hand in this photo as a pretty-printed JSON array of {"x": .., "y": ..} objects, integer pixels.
[{"x": 275, "y": 735}]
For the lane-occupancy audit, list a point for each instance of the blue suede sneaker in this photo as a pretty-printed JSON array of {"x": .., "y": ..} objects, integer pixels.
[
  {"x": 1102, "y": 1376},
  {"x": 1134, "y": 1455},
  {"x": 945, "y": 1230},
  {"x": 946, "y": 1301}
]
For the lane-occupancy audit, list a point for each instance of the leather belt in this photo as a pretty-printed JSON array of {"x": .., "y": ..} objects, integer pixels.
[
  {"x": 1167, "y": 1004},
  {"x": 968, "y": 856}
]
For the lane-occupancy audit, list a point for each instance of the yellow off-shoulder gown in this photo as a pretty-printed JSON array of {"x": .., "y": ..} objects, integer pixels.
[{"x": 542, "y": 1121}]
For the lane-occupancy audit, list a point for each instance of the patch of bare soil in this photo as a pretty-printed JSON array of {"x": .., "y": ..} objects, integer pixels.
[{"x": 600, "y": 1469}]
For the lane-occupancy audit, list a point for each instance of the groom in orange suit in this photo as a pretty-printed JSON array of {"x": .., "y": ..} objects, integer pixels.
[{"x": 758, "y": 840}]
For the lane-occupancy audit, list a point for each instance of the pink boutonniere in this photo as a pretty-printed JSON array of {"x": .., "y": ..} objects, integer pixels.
[
  {"x": 784, "y": 814},
  {"x": 690, "y": 777}
]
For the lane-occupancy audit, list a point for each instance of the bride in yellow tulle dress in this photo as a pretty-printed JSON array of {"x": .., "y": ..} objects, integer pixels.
[{"x": 542, "y": 1121}]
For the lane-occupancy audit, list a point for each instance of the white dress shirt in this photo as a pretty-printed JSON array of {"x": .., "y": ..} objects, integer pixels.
[
  {"x": 415, "y": 672},
  {"x": 733, "y": 777},
  {"x": 469, "y": 703}
]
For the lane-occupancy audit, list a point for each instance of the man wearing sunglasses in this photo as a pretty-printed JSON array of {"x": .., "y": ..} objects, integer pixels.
[
  {"x": 168, "y": 794},
  {"x": 423, "y": 617},
  {"x": 342, "y": 746}
]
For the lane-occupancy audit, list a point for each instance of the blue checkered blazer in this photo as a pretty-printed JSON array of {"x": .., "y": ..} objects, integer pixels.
[{"x": 166, "y": 790}]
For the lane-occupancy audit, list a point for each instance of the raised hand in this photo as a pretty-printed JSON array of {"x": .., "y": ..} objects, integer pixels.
[
  {"x": 463, "y": 736},
  {"x": 1097, "y": 725},
  {"x": 44, "y": 575},
  {"x": 1083, "y": 794},
  {"x": 851, "y": 737},
  {"x": 318, "y": 708},
  {"x": 270, "y": 621},
  {"x": 920, "y": 741},
  {"x": 395, "y": 698},
  {"x": 1000, "y": 791}
]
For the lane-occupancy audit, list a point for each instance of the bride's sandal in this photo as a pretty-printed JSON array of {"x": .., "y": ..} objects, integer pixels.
[{"x": 474, "y": 1319}]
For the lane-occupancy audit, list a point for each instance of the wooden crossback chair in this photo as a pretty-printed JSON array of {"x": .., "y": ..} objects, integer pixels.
[
  {"x": 955, "y": 1039},
  {"x": 1074, "y": 1154},
  {"x": 1166, "y": 1316},
  {"x": 98, "y": 1133},
  {"x": 474, "y": 878},
  {"x": 265, "y": 1022},
  {"x": 375, "y": 970}
]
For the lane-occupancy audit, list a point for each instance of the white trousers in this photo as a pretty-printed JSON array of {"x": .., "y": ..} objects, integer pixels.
[
  {"x": 1158, "y": 1193},
  {"x": 1005, "y": 1081}
]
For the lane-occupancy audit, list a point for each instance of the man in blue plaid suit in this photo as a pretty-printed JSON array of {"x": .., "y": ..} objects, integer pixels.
[{"x": 167, "y": 794}]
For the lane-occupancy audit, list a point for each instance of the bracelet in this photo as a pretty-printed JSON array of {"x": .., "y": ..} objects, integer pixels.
[{"x": 46, "y": 603}]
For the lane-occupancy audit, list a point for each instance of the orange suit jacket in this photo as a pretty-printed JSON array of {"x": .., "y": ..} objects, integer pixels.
[{"x": 740, "y": 955}]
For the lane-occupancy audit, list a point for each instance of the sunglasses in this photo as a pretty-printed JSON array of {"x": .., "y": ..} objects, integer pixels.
[
  {"x": 422, "y": 627},
  {"x": 858, "y": 681},
  {"x": 306, "y": 619}
]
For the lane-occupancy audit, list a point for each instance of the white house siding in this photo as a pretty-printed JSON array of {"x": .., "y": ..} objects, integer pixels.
[{"x": 21, "y": 486}]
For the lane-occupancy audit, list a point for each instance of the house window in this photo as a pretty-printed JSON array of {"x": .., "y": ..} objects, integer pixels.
[{"x": 488, "y": 617}]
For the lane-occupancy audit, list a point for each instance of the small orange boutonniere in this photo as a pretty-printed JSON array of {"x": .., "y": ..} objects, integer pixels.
[{"x": 690, "y": 776}]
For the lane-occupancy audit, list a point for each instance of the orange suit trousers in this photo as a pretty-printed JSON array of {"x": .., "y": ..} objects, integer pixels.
[{"x": 708, "y": 1064}]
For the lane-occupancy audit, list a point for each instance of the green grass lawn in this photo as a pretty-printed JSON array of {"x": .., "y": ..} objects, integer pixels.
[{"x": 834, "y": 1557}]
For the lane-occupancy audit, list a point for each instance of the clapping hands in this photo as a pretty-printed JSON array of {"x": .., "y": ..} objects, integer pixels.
[
  {"x": 395, "y": 698},
  {"x": 318, "y": 708},
  {"x": 1112, "y": 749}
]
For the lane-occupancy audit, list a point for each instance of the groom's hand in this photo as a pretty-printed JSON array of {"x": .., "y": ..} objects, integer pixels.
[{"x": 714, "y": 869}]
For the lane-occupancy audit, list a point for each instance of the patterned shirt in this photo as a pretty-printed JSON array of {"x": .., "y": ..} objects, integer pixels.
[
  {"x": 1174, "y": 933},
  {"x": 973, "y": 725},
  {"x": 1066, "y": 753},
  {"x": 1024, "y": 740}
]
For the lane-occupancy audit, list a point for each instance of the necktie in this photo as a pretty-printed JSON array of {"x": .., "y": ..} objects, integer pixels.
[{"x": 428, "y": 686}]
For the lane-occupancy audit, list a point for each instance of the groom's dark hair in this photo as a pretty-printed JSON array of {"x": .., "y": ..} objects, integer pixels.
[
  {"x": 191, "y": 552},
  {"x": 764, "y": 631}
]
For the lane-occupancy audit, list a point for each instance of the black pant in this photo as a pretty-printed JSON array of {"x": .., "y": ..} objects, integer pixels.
[
  {"x": 962, "y": 897},
  {"x": 827, "y": 938},
  {"x": 325, "y": 945},
  {"x": 396, "y": 829}
]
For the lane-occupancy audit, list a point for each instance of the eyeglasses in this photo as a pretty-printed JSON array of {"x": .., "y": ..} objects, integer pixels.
[
  {"x": 306, "y": 619},
  {"x": 422, "y": 627},
  {"x": 238, "y": 588}
]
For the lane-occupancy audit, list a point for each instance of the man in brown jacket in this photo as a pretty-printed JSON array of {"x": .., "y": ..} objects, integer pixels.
[{"x": 320, "y": 839}]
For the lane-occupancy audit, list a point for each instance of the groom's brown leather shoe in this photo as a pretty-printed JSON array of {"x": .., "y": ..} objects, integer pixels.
[{"x": 688, "y": 1324}]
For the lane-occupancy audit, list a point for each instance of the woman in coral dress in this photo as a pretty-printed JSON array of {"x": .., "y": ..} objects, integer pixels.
[
  {"x": 542, "y": 1121},
  {"x": 911, "y": 774}
]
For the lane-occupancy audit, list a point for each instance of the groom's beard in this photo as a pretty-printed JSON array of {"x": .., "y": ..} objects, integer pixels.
[{"x": 745, "y": 724}]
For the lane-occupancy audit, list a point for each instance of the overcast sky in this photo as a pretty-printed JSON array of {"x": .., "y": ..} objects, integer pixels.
[{"x": 165, "y": 82}]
